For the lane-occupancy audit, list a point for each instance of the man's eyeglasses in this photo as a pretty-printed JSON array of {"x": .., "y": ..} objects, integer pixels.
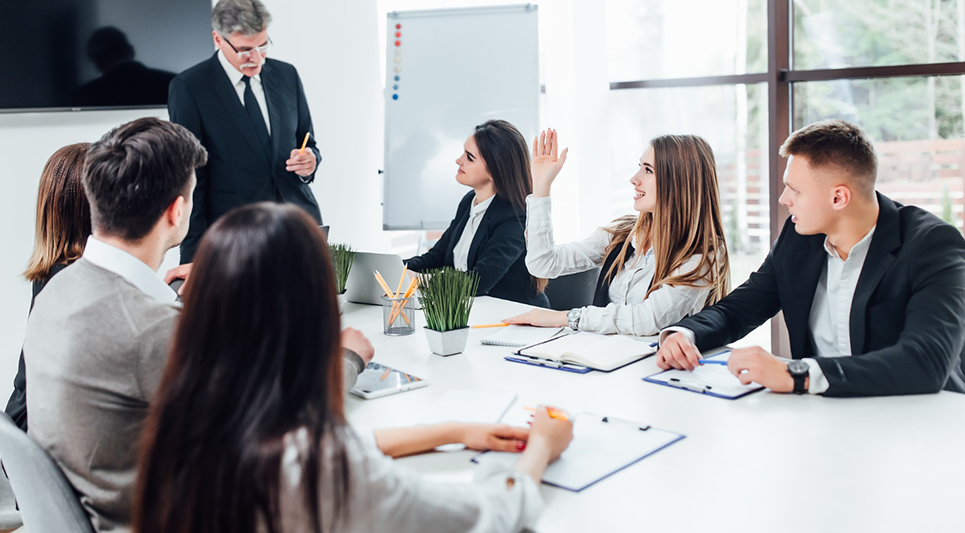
[{"x": 246, "y": 54}]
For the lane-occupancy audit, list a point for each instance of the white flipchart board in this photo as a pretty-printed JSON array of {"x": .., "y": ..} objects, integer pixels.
[{"x": 448, "y": 71}]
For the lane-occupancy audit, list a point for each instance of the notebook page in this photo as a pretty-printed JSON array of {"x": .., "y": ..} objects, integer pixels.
[
  {"x": 519, "y": 336},
  {"x": 473, "y": 406},
  {"x": 603, "y": 352}
]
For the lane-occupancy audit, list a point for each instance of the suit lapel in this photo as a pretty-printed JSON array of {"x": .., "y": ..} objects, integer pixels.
[
  {"x": 886, "y": 240},
  {"x": 274, "y": 115},
  {"x": 457, "y": 234},
  {"x": 483, "y": 230},
  {"x": 228, "y": 96},
  {"x": 808, "y": 265}
]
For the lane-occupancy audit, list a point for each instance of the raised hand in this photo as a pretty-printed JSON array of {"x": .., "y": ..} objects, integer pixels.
[{"x": 546, "y": 163}]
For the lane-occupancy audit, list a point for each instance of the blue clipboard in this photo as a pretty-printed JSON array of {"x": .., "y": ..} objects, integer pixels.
[
  {"x": 698, "y": 387},
  {"x": 546, "y": 363}
]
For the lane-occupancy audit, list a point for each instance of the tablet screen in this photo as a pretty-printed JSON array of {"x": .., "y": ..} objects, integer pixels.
[{"x": 379, "y": 380}]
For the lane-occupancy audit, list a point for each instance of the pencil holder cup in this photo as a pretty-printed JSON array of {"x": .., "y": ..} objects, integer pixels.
[{"x": 398, "y": 316}]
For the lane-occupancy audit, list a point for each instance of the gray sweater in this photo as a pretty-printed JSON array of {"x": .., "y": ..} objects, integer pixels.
[{"x": 95, "y": 349}]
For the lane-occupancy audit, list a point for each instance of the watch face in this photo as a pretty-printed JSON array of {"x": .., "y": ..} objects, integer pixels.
[{"x": 798, "y": 367}]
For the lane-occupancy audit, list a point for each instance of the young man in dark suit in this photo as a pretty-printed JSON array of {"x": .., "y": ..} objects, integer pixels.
[
  {"x": 873, "y": 292},
  {"x": 251, "y": 114}
]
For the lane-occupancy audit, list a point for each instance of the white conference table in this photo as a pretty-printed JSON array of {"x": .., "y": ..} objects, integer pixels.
[{"x": 768, "y": 461}]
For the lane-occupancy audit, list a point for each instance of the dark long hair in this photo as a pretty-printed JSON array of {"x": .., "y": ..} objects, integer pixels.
[
  {"x": 256, "y": 356},
  {"x": 63, "y": 214},
  {"x": 506, "y": 155}
]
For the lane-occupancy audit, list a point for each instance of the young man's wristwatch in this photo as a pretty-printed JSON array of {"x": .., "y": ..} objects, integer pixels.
[
  {"x": 799, "y": 371},
  {"x": 573, "y": 318}
]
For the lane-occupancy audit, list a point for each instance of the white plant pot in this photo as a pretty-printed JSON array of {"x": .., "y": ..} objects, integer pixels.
[
  {"x": 341, "y": 303},
  {"x": 446, "y": 343}
]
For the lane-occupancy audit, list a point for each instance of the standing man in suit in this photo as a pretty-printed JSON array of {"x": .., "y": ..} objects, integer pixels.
[
  {"x": 873, "y": 292},
  {"x": 251, "y": 114}
]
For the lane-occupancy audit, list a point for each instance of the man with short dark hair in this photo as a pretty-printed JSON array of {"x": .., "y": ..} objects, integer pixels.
[
  {"x": 251, "y": 113},
  {"x": 873, "y": 292},
  {"x": 97, "y": 339},
  {"x": 98, "y": 336}
]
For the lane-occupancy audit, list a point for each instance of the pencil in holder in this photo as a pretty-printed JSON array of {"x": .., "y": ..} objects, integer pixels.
[{"x": 398, "y": 315}]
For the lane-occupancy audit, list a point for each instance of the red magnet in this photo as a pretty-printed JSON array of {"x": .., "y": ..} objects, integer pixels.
[
  {"x": 398, "y": 34},
  {"x": 398, "y": 26},
  {"x": 398, "y": 43}
]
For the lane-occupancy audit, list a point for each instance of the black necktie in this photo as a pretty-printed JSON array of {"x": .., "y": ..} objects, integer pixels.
[{"x": 257, "y": 119}]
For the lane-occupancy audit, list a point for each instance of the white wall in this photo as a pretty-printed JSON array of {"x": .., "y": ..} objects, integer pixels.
[{"x": 334, "y": 45}]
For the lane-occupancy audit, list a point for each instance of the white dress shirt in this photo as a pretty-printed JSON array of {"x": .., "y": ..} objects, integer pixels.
[
  {"x": 830, "y": 319},
  {"x": 386, "y": 497},
  {"x": 236, "y": 78},
  {"x": 132, "y": 269},
  {"x": 460, "y": 253},
  {"x": 630, "y": 311}
]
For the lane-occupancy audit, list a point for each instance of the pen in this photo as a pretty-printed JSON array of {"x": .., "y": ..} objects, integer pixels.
[
  {"x": 654, "y": 344},
  {"x": 712, "y": 362},
  {"x": 688, "y": 385},
  {"x": 490, "y": 326},
  {"x": 304, "y": 143}
]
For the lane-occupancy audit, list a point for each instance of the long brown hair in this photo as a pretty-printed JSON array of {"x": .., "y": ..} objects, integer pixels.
[
  {"x": 255, "y": 356},
  {"x": 504, "y": 150},
  {"x": 686, "y": 221},
  {"x": 63, "y": 213}
]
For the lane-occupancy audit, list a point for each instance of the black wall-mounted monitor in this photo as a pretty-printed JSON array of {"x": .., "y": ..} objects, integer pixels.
[{"x": 98, "y": 54}]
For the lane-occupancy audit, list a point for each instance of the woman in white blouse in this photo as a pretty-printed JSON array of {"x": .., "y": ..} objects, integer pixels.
[
  {"x": 247, "y": 430},
  {"x": 658, "y": 267}
]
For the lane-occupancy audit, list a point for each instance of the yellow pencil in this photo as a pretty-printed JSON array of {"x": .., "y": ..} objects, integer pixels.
[
  {"x": 304, "y": 143},
  {"x": 385, "y": 286},
  {"x": 554, "y": 413},
  {"x": 401, "y": 281},
  {"x": 490, "y": 326},
  {"x": 408, "y": 294}
]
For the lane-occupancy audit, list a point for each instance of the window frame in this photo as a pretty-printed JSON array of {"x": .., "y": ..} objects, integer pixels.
[{"x": 780, "y": 78}]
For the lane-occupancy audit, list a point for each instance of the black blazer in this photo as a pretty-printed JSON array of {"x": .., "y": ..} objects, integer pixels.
[
  {"x": 239, "y": 172},
  {"x": 17, "y": 404},
  {"x": 497, "y": 252},
  {"x": 907, "y": 316}
]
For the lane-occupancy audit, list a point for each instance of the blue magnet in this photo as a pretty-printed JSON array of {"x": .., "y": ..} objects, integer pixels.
[
  {"x": 396, "y": 78},
  {"x": 395, "y": 97},
  {"x": 395, "y": 87}
]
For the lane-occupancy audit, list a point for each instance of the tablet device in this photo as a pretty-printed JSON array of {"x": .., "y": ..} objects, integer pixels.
[{"x": 379, "y": 380}]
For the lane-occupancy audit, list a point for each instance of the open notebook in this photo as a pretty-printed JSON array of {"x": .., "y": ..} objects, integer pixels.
[
  {"x": 518, "y": 336},
  {"x": 709, "y": 379},
  {"x": 599, "y": 352},
  {"x": 601, "y": 446}
]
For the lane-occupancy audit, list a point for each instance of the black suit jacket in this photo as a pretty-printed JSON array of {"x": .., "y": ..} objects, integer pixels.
[
  {"x": 497, "y": 252},
  {"x": 907, "y": 316},
  {"x": 239, "y": 172}
]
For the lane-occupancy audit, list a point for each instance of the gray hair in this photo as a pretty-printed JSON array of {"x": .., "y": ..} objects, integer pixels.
[{"x": 249, "y": 17}]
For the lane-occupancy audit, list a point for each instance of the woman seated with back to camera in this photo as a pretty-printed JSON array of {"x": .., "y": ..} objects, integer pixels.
[
  {"x": 487, "y": 235},
  {"x": 247, "y": 432},
  {"x": 666, "y": 263},
  {"x": 61, "y": 232}
]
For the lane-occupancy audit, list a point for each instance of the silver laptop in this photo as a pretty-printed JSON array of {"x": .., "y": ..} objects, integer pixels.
[{"x": 361, "y": 286}]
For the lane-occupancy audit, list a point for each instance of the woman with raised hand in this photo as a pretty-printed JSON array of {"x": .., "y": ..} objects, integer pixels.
[
  {"x": 666, "y": 263},
  {"x": 61, "y": 231},
  {"x": 487, "y": 235},
  {"x": 247, "y": 432}
]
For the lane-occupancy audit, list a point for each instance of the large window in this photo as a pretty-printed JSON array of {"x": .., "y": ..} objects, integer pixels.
[{"x": 745, "y": 73}]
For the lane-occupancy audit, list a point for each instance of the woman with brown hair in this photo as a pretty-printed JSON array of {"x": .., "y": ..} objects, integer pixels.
[
  {"x": 660, "y": 266},
  {"x": 62, "y": 227},
  {"x": 247, "y": 431},
  {"x": 487, "y": 235}
]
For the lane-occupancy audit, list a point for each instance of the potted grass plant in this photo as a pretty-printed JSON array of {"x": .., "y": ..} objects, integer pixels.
[
  {"x": 343, "y": 256},
  {"x": 447, "y": 295}
]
